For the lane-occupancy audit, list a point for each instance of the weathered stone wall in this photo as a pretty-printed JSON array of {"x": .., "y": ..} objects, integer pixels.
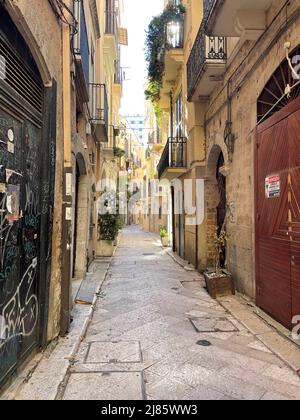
[
  {"x": 247, "y": 74},
  {"x": 42, "y": 32}
]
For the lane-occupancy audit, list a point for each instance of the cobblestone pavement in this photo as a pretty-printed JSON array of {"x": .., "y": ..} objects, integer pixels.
[{"x": 156, "y": 334}]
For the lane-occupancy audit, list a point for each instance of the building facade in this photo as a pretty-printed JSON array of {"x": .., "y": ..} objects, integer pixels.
[
  {"x": 238, "y": 74},
  {"x": 60, "y": 92},
  {"x": 137, "y": 123}
]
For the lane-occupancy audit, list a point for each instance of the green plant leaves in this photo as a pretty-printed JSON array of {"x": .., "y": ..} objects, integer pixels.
[{"x": 156, "y": 46}]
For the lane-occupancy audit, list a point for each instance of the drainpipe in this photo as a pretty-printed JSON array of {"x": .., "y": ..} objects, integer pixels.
[
  {"x": 67, "y": 185},
  {"x": 171, "y": 116}
]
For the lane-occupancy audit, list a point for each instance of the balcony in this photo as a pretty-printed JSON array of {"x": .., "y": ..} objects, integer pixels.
[
  {"x": 173, "y": 161},
  {"x": 119, "y": 74},
  {"x": 111, "y": 35},
  {"x": 174, "y": 58},
  {"x": 206, "y": 64},
  {"x": 81, "y": 53},
  {"x": 245, "y": 19},
  {"x": 98, "y": 108}
]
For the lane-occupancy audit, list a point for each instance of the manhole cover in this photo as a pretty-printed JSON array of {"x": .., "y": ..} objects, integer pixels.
[
  {"x": 149, "y": 254},
  {"x": 204, "y": 343}
]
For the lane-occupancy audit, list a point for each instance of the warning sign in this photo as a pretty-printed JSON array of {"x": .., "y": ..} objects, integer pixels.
[{"x": 273, "y": 186}]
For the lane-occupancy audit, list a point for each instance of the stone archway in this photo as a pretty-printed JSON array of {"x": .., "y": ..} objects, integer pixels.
[
  {"x": 81, "y": 219},
  {"x": 215, "y": 202}
]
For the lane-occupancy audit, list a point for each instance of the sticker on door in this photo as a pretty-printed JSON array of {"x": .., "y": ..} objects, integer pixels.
[{"x": 273, "y": 186}]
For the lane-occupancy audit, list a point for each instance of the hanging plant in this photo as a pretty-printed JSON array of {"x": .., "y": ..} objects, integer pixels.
[
  {"x": 156, "y": 46},
  {"x": 118, "y": 152}
]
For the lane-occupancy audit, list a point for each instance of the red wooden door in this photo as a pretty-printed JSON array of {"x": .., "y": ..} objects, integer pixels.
[
  {"x": 293, "y": 135},
  {"x": 278, "y": 214}
]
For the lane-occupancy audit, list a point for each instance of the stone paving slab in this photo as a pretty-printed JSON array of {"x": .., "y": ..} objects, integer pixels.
[
  {"x": 101, "y": 386},
  {"x": 114, "y": 352},
  {"x": 142, "y": 344}
]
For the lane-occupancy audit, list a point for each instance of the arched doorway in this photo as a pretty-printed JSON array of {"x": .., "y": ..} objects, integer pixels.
[
  {"x": 81, "y": 218},
  {"x": 277, "y": 190},
  {"x": 215, "y": 206},
  {"x": 222, "y": 206},
  {"x": 27, "y": 140}
]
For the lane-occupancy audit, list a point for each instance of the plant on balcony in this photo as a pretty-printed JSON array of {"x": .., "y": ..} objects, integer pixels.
[
  {"x": 118, "y": 152},
  {"x": 156, "y": 46}
]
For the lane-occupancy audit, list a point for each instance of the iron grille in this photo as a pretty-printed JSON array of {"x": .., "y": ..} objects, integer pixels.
[
  {"x": 111, "y": 26},
  {"x": 174, "y": 155},
  {"x": 98, "y": 103},
  {"x": 80, "y": 39},
  {"x": 18, "y": 76},
  {"x": 205, "y": 48}
]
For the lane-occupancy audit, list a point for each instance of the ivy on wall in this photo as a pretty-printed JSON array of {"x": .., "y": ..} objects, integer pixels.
[{"x": 156, "y": 46}]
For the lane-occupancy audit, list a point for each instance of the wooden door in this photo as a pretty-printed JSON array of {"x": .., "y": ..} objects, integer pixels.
[
  {"x": 293, "y": 136},
  {"x": 277, "y": 214}
]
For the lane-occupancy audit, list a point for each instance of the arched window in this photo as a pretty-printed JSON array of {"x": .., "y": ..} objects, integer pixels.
[{"x": 273, "y": 98}]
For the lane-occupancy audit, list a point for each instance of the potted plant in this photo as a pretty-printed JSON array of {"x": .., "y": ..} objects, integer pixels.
[
  {"x": 108, "y": 227},
  {"x": 164, "y": 237},
  {"x": 219, "y": 282}
]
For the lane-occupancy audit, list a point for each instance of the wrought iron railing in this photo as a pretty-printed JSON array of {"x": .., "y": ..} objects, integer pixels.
[
  {"x": 174, "y": 155},
  {"x": 80, "y": 38},
  {"x": 98, "y": 104},
  {"x": 111, "y": 25},
  {"x": 205, "y": 48},
  {"x": 208, "y": 8},
  {"x": 119, "y": 73}
]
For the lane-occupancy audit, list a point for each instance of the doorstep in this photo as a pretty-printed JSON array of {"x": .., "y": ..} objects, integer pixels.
[{"x": 272, "y": 334}]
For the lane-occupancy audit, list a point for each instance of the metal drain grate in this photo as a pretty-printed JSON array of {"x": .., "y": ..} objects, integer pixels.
[{"x": 204, "y": 343}]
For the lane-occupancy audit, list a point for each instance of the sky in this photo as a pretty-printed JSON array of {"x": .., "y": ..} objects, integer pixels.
[{"x": 137, "y": 16}]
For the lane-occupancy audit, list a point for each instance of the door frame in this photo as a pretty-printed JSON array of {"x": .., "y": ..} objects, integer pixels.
[{"x": 14, "y": 103}]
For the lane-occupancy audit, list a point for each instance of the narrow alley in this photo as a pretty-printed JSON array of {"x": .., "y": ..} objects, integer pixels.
[
  {"x": 149, "y": 200},
  {"x": 156, "y": 334}
]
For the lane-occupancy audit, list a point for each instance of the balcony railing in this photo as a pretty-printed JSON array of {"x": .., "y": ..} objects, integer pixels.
[
  {"x": 174, "y": 155},
  {"x": 205, "y": 49},
  {"x": 119, "y": 74},
  {"x": 80, "y": 39},
  {"x": 175, "y": 34},
  {"x": 111, "y": 26},
  {"x": 98, "y": 104},
  {"x": 208, "y": 8}
]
